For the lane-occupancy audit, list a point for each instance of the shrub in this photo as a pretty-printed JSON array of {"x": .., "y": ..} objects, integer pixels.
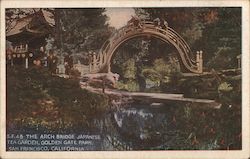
[{"x": 35, "y": 97}]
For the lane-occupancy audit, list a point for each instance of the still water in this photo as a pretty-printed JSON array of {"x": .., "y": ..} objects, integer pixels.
[
  {"x": 143, "y": 127},
  {"x": 133, "y": 126}
]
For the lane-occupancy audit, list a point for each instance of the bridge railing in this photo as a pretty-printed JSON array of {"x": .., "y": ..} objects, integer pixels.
[
  {"x": 130, "y": 29},
  {"x": 172, "y": 30},
  {"x": 168, "y": 32},
  {"x": 176, "y": 37}
]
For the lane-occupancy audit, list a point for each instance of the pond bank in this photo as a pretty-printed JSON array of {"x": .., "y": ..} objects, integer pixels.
[{"x": 158, "y": 97}]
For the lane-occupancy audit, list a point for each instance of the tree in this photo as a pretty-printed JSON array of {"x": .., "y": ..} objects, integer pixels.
[
  {"x": 161, "y": 72},
  {"x": 81, "y": 30},
  {"x": 183, "y": 20},
  {"x": 180, "y": 19},
  {"x": 222, "y": 39},
  {"x": 129, "y": 61},
  {"x": 216, "y": 31}
]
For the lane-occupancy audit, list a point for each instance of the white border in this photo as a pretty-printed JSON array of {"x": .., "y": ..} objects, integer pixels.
[{"x": 244, "y": 153}]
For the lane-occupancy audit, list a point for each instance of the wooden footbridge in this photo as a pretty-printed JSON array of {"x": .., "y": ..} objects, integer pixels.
[{"x": 190, "y": 62}]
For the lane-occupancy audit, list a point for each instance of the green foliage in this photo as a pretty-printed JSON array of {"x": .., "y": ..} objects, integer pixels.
[
  {"x": 184, "y": 20},
  {"x": 129, "y": 69},
  {"x": 161, "y": 67},
  {"x": 225, "y": 87},
  {"x": 221, "y": 39},
  {"x": 189, "y": 128},
  {"x": 230, "y": 92},
  {"x": 227, "y": 90},
  {"x": 224, "y": 58},
  {"x": 216, "y": 31},
  {"x": 130, "y": 85},
  {"x": 151, "y": 74},
  {"x": 163, "y": 72},
  {"x": 53, "y": 102},
  {"x": 74, "y": 73},
  {"x": 81, "y": 29},
  {"x": 197, "y": 87},
  {"x": 208, "y": 129}
]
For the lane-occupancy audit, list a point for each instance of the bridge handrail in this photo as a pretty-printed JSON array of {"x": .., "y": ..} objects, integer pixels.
[
  {"x": 173, "y": 34},
  {"x": 149, "y": 25},
  {"x": 178, "y": 36},
  {"x": 152, "y": 24},
  {"x": 149, "y": 22}
]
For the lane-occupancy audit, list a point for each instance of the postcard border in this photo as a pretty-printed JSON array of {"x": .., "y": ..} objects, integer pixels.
[{"x": 244, "y": 153}]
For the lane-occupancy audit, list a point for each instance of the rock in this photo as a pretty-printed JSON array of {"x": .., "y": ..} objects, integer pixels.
[{"x": 107, "y": 78}]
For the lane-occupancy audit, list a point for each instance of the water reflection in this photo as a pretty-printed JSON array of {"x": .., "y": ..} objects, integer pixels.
[{"x": 144, "y": 126}]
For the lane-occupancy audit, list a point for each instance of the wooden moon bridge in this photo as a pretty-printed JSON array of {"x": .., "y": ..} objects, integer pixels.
[{"x": 101, "y": 62}]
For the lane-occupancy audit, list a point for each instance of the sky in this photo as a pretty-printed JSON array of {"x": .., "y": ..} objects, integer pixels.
[{"x": 119, "y": 17}]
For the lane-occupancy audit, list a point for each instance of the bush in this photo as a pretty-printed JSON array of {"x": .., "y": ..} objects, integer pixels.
[
  {"x": 36, "y": 98},
  {"x": 129, "y": 85}
]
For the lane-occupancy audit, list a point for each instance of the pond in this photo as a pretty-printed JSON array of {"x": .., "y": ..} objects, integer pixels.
[
  {"x": 158, "y": 126},
  {"x": 145, "y": 126},
  {"x": 138, "y": 126}
]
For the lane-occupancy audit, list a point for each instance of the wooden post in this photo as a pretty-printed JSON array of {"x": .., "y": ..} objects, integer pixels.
[
  {"x": 26, "y": 47},
  {"x": 197, "y": 60},
  {"x": 239, "y": 64},
  {"x": 239, "y": 61},
  {"x": 104, "y": 57},
  {"x": 11, "y": 62},
  {"x": 94, "y": 61},
  {"x": 90, "y": 62},
  {"x": 101, "y": 58},
  {"x": 26, "y": 62},
  {"x": 201, "y": 62}
]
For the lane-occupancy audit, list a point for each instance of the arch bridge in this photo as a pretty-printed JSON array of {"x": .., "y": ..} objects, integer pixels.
[{"x": 190, "y": 63}]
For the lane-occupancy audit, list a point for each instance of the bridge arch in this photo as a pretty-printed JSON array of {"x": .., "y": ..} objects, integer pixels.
[{"x": 190, "y": 62}]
